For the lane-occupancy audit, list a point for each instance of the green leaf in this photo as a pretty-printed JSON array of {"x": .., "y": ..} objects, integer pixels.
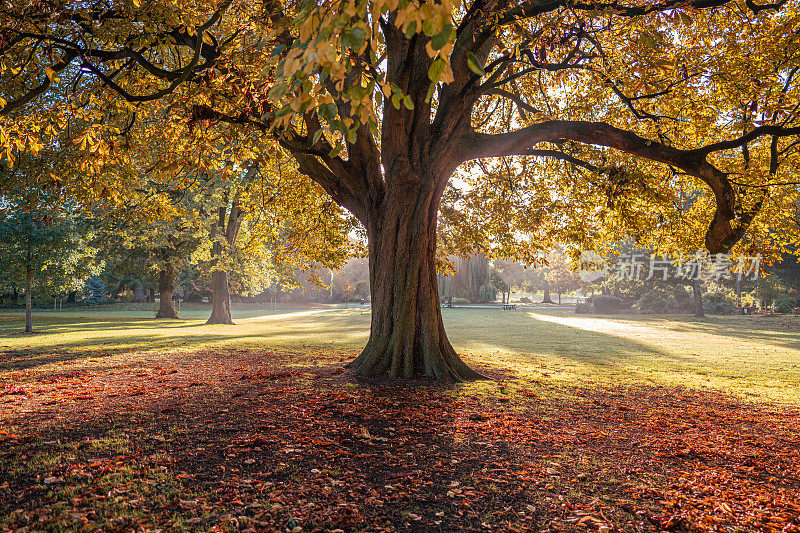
[
  {"x": 396, "y": 98},
  {"x": 411, "y": 29},
  {"x": 431, "y": 90},
  {"x": 408, "y": 103},
  {"x": 436, "y": 69},
  {"x": 442, "y": 38},
  {"x": 474, "y": 65},
  {"x": 357, "y": 92},
  {"x": 317, "y": 135},
  {"x": 354, "y": 38},
  {"x": 428, "y": 27},
  {"x": 351, "y": 135},
  {"x": 285, "y": 110}
]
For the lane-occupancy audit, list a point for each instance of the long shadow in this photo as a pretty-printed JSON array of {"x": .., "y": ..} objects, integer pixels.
[
  {"x": 298, "y": 334},
  {"x": 476, "y": 333},
  {"x": 776, "y": 331},
  {"x": 66, "y": 322},
  {"x": 531, "y": 341}
]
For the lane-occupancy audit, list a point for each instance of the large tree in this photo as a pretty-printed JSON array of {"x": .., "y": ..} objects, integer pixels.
[{"x": 598, "y": 108}]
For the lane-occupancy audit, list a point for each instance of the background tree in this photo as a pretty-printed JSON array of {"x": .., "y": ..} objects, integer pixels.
[
  {"x": 560, "y": 275},
  {"x": 44, "y": 253}
]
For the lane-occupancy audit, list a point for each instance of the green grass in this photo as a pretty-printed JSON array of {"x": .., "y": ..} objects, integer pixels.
[{"x": 751, "y": 357}]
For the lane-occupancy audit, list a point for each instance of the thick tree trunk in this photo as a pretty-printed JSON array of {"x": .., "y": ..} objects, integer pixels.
[
  {"x": 546, "y": 299},
  {"x": 28, "y": 285},
  {"x": 407, "y": 336},
  {"x": 166, "y": 286},
  {"x": 697, "y": 294},
  {"x": 221, "y": 301}
]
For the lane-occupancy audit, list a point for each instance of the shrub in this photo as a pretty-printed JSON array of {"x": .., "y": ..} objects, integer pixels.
[
  {"x": 682, "y": 295},
  {"x": 606, "y": 304},
  {"x": 655, "y": 302},
  {"x": 785, "y": 303},
  {"x": 584, "y": 308},
  {"x": 719, "y": 303},
  {"x": 748, "y": 300},
  {"x": 524, "y": 300},
  {"x": 460, "y": 301}
]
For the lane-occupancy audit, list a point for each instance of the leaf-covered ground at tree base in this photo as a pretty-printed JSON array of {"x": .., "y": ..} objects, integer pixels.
[{"x": 284, "y": 439}]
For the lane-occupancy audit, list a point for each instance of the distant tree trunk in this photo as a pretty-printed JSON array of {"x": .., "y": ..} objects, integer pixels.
[
  {"x": 166, "y": 286},
  {"x": 559, "y": 298},
  {"x": 16, "y": 293},
  {"x": 28, "y": 284},
  {"x": 547, "y": 299},
  {"x": 221, "y": 299},
  {"x": 121, "y": 286},
  {"x": 697, "y": 293},
  {"x": 71, "y": 297},
  {"x": 138, "y": 294},
  {"x": 739, "y": 289},
  {"x": 151, "y": 296}
]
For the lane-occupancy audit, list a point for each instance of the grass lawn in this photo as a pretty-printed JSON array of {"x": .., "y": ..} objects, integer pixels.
[{"x": 110, "y": 420}]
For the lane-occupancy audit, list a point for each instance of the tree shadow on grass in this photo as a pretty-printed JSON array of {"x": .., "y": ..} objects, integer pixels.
[
  {"x": 776, "y": 331},
  {"x": 498, "y": 343}
]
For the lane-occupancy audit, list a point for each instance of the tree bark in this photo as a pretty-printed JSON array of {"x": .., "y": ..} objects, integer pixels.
[
  {"x": 28, "y": 284},
  {"x": 546, "y": 299},
  {"x": 407, "y": 336},
  {"x": 166, "y": 286},
  {"x": 138, "y": 294},
  {"x": 697, "y": 294},
  {"x": 221, "y": 300}
]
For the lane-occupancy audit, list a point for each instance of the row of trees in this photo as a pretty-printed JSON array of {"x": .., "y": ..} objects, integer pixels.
[{"x": 233, "y": 228}]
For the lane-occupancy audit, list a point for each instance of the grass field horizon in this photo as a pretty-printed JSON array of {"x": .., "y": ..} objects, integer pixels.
[{"x": 753, "y": 357}]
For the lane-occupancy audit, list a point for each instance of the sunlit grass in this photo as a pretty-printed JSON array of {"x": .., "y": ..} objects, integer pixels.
[{"x": 752, "y": 357}]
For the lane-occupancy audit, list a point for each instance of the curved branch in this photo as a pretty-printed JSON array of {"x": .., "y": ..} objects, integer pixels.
[
  {"x": 728, "y": 224},
  {"x": 41, "y": 88},
  {"x": 760, "y": 131},
  {"x": 158, "y": 94}
]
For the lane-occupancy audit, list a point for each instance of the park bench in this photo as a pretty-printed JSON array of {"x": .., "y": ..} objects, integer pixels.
[{"x": 512, "y": 307}]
